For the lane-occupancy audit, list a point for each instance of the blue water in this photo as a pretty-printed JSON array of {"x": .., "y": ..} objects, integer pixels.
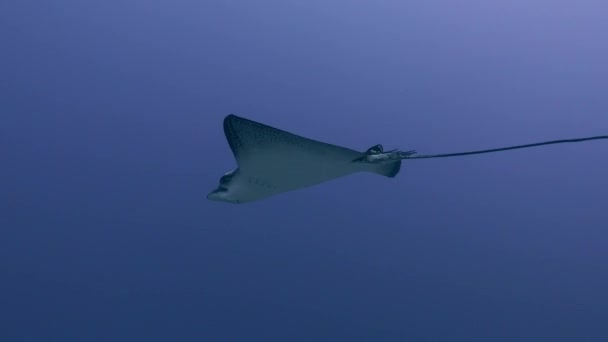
[{"x": 111, "y": 137}]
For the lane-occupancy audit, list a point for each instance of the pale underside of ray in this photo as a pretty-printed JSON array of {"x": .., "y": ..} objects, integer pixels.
[{"x": 285, "y": 160}]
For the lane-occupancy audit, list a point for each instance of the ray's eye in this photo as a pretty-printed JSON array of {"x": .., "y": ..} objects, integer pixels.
[{"x": 225, "y": 179}]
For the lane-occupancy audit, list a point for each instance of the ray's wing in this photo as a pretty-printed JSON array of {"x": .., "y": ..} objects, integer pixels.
[{"x": 249, "y": 139}]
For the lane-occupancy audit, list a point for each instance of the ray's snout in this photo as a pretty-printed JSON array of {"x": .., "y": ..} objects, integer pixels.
[
  {"x": 220, "y": 194},
  {"x": 214, "y": 195}
]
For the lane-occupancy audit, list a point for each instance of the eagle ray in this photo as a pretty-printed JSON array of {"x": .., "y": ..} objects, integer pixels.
[{"x": 272, "y": 161}]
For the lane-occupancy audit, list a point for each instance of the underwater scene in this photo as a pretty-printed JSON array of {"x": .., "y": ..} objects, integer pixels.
[{"x": 304, "y": 170}]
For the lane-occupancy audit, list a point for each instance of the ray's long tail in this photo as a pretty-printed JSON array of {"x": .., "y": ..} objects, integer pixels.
[{"x": 413, "y": 155}]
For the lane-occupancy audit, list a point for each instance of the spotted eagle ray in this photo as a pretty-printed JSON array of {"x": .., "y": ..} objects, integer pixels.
[{"x": 273, "y": 161}]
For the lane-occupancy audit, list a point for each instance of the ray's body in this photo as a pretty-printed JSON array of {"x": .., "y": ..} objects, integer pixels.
[{"x": 273, "y": 161}]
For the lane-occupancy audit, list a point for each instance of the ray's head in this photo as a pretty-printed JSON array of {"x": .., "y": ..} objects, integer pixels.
[{"x": 225, "y": 191}]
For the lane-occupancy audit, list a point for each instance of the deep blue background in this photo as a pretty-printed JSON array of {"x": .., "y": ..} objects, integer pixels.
[{"x": 110, "y": 128}]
